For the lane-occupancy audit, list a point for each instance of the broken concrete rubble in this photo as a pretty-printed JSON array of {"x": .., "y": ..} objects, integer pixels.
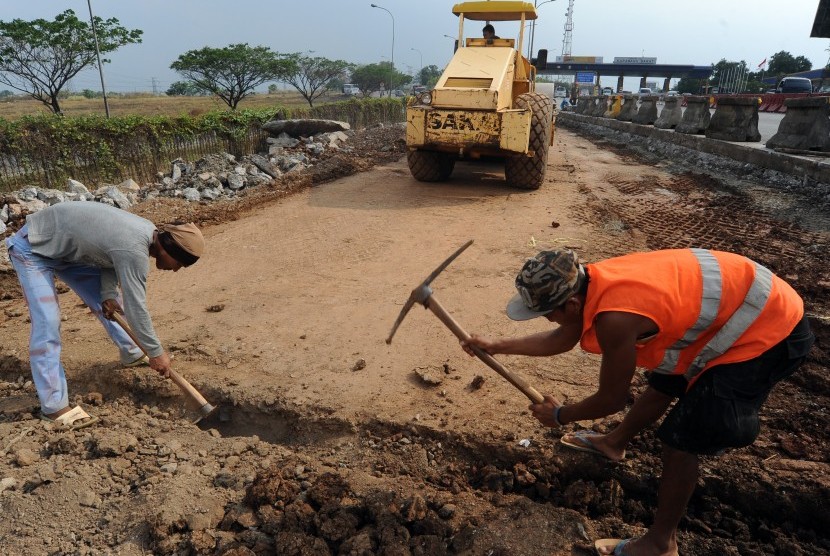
[{"x": 213, "y": 177}]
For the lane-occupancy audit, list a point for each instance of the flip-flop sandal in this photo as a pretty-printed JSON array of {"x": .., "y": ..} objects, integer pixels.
[
  {"x": 616, "y": 545},
  {"x": 581, "y": 441},
  {"x": 70, "y": 418}
]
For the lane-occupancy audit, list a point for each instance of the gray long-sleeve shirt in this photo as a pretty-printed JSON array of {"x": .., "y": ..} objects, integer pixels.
[{"x": 114, "y": 240}]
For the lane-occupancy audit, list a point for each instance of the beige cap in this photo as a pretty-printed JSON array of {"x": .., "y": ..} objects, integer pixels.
[{"x": 183, "y": 242}]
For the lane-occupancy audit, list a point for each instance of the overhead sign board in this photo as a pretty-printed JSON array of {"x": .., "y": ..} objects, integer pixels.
[
  {"x": 585, "y": 76},
  {"x": 579, "y": 59},
  {"x": 635, "y": 60}
]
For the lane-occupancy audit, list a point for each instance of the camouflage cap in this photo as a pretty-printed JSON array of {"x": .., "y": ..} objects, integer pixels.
[{"x": 544, "y": 283}]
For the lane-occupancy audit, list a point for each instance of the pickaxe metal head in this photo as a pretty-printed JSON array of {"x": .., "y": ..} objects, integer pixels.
[{"x": 422, "y": 292}]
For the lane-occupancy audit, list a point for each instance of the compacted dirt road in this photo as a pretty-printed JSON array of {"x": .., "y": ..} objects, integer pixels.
[{"x": 333, "y": 442}]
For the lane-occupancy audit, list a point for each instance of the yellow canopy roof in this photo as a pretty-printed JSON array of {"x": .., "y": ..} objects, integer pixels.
[{"x": 495, "y": 10}]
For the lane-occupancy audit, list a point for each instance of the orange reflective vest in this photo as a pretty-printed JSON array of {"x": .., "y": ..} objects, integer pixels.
[{"x": 710, "y": 307}]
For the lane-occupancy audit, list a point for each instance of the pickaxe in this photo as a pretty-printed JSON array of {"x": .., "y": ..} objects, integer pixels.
[
  {"x": 205, "y": 408},
  {"x": 423, "y": 295}
]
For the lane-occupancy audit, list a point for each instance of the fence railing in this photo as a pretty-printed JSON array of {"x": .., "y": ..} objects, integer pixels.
[
  {"x": 141, "y": 164},
  {"x": 48, "y": 159}
]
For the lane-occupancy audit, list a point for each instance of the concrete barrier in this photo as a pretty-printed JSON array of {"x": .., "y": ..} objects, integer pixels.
[
  {"x": 614, "y": 107},
  {"x": 671, "y": 114},
  {"x": 647, "y": 114},
  {"x": 696, "y": 117},
  {"x": 735, "y": 119},
  {"x": 600, "y": 107},
  {"x": 629, "y": 109},
  {"x": 808, "y": 175},
  {"x": 805, "y": 126},
  {"x": 584, "y": 105}
]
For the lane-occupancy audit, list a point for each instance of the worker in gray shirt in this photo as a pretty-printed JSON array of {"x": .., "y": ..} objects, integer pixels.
[{"x": 96, "y": 250}]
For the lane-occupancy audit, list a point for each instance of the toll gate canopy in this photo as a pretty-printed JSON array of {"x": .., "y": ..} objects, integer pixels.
[{"x": 668, "y": 71}]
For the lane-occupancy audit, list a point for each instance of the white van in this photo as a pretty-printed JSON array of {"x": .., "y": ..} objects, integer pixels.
[
  {"x": 351, "y": 89},
  {"x": 644, "y": 91},
  {"x": 560, "y": 92}
]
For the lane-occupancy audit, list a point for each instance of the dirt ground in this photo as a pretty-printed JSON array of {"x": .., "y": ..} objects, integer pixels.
[{"x": 330, "y": 441}]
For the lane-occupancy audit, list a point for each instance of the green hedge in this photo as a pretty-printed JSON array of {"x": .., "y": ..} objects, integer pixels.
[{"x": 45, "y": 150}]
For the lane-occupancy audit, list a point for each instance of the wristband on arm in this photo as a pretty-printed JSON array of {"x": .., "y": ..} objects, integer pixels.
[{"x": 556, "y": 416}]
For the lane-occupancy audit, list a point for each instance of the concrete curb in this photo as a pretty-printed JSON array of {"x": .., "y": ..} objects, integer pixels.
[{"x": 802, "y": 175}]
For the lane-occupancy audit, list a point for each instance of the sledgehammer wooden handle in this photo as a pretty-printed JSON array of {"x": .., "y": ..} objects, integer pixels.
[
  {"x": 180, "y": 381},
  {"x": 515, "y": 380}
]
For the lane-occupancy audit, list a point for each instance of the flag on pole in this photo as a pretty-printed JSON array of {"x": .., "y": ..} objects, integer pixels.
[{"x": 763, "y": 63}]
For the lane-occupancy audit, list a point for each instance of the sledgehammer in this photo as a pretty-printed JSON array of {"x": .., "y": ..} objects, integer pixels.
[
  {"x": 423, "y": 295},
  {"x": 205, "y": 408}
]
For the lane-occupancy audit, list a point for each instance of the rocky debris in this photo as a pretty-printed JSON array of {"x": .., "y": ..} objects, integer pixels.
[
  {"x": 297, "y": 146},
  {"x": 429, "y": 375}
]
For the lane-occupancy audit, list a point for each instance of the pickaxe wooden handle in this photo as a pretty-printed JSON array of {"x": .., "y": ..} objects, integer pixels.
[
  {"x": 423, "y": 295},
  {"x": 205, "y": 408},
  {"x": 514, "y": 379}
]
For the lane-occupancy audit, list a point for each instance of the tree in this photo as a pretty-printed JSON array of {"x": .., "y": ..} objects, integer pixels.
[
  {"x": 783, "y": 63},
  {"x": 429, "y": 75},
  {"x": 370, "y": 77},
  {"x": 233, "y": 72},
  {"x": 185, "y": 89},
  {"x": 39, "y": 57},
  {"x": 729, "y": 76},
  {"x": 311, "y": 76}
]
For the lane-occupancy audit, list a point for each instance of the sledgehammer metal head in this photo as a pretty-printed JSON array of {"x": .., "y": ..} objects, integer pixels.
[{"x": 422, "y": 292}]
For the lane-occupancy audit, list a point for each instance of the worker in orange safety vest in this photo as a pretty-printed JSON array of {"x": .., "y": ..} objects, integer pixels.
[{"x": 715, "y": 331}]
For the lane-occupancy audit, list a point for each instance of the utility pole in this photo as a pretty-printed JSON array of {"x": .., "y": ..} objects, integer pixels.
[{"x": 98, "y": 55}]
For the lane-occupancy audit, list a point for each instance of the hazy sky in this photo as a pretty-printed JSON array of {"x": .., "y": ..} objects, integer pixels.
[{"x": 699, "y": 33}]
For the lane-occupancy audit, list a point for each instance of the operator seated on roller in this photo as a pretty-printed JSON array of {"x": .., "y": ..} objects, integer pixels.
[
  {"x": 94, "y": 248},
  {"x": 489, "y": 32},
  {"x": 715, "y": 330}
]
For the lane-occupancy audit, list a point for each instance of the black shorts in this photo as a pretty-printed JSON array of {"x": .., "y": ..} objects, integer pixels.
[{"x": 720, "y": 411}]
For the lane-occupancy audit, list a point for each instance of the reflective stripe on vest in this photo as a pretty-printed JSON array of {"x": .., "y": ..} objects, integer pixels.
[
  {"x": 754, "y": 302},
  {"x": 710, "y": 302},
  {"x": 737, "y": 324}
]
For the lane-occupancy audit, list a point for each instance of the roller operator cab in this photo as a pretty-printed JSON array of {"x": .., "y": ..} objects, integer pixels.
[{"x": 484, "y": 104}]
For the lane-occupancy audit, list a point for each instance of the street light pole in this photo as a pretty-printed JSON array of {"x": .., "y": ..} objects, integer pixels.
[
  {"x": 421, "y": 58},
  {"x": 98, "y": 54},
  {"x": 392, "y": 69},
  {"x": 533, "y": 28}
]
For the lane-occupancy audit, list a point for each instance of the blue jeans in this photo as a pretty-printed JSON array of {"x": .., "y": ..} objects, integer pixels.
[{"x": 37, "y": 278}]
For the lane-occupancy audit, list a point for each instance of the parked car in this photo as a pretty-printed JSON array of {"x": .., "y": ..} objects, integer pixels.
[
  {"x": 795, "y": 85},
  {"x": 644, "y": 91},
  {"x": 560, "y": 92},
  {"x": 607, "y": 91},
  {"x": 672, "y": 93},
  {"x": 398, "y": 93}
]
